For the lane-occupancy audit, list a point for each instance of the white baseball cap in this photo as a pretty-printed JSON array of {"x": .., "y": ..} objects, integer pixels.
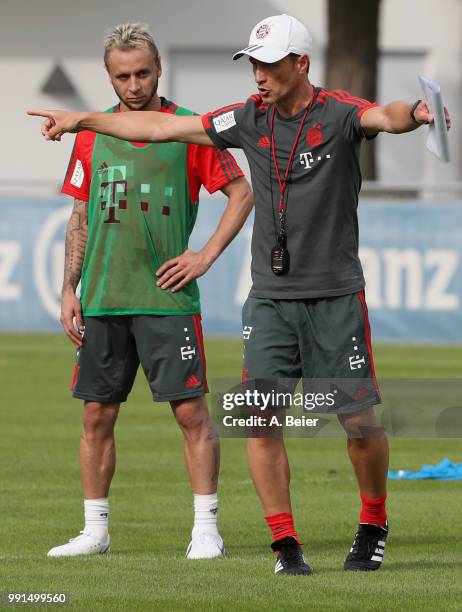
[{"x": 276, "y": 37}]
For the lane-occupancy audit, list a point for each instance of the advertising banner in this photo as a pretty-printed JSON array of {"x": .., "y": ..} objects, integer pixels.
[{"x": 411, "y": 253}]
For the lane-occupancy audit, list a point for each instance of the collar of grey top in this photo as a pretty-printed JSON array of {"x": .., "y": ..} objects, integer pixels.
[{"x": 298, "y": 115}]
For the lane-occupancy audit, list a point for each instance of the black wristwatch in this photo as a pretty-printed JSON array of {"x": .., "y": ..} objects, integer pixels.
[{"x": 412, "y": 111}]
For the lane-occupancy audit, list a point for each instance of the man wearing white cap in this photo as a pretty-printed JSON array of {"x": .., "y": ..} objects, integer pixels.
[
  {"x": 306, "y": 315},
  {"x": 284, "y": 35}
]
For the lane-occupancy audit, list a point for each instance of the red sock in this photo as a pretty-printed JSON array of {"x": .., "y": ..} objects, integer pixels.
[
  {"x": 282, "y": 526},
  {"x": 373, "y": 510}
]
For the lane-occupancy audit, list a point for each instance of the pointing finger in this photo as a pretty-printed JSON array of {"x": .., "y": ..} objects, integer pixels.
[{"x": 40, "y": 113}]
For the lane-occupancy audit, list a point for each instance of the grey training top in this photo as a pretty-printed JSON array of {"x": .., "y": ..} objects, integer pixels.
[{"x": 322, "y": 191}]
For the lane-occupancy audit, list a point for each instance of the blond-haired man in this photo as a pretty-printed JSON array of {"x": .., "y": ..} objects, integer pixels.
[{"x": 135, "y": 205}]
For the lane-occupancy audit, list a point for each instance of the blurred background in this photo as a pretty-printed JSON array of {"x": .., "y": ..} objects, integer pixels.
[{"x": 410, "y": 212}]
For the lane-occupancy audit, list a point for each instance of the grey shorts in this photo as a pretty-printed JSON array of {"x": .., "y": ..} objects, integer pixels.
[
  {"x": 170, "y": 349},
  {"x": 324, "y": 341}
]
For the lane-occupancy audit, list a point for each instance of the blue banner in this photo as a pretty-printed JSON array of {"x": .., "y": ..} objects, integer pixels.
[{"x": 411, "y": 253}]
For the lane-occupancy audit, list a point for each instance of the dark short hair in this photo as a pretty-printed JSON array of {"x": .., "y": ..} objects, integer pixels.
[{"x": 295, "y": 56}]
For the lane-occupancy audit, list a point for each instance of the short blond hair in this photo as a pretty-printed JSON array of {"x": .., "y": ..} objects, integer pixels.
[{"x": 129, "y": 36}]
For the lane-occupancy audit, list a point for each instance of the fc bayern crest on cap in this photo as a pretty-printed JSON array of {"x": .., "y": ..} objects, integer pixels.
[{"x": 263, "y": 31}]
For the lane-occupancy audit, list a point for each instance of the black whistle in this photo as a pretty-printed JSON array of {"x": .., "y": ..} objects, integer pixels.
[{"x": 280, "y": 258}]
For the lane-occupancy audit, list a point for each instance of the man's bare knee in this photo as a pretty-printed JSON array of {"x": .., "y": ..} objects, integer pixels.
[
  {"x": 99, "y": 419},
  {"x": 363, "y": 424},
  {"x": 191, "y": 421},
  {"x": 192, "y": 416}
]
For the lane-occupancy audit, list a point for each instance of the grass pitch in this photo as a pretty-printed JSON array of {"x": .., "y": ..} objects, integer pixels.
[{"x": 151, "y": 505}]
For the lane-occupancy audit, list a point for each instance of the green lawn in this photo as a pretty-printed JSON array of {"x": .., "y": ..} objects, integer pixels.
[{"x": 151, "y": 506}]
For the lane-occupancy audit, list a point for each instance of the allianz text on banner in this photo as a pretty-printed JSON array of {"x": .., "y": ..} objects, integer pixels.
[{"x": 411, "y": 253}]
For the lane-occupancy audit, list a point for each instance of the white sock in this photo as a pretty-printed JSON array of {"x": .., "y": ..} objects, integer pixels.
[
  {"x": 205, "y": 513},
  {"x": 97, "y": 517}
]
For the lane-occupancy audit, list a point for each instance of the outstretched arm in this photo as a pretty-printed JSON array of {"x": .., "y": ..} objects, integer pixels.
[
  {"x": 177, "y": 272},
  {"x": 141, "y": 126},
  {"x": 396, "y": 118}
]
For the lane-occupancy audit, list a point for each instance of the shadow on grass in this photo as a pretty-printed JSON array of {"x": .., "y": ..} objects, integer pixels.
[
  {"x": 421, "y": 539},
  {"x": 338, "y": 544},
  {"x": 400, "y": 566}
]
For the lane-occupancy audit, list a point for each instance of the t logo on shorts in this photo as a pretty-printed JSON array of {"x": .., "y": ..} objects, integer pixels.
[
  {"x": 246, "y": 332},
  {"x": 356, "y": 361},
  {"x": 187, "y": 352}
]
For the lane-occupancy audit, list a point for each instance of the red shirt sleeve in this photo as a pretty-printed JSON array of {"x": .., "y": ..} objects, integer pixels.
[
  {"x": 78, "y": 175},
  {"x": 210, "y": 167}
]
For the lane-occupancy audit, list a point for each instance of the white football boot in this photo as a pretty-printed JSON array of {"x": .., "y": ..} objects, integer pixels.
[
  {"x": 83, "y": 544},
  {"x": 205, "y": 545}
]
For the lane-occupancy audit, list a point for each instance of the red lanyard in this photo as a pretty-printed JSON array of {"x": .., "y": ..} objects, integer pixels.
[{"x": 283, "y": 183}]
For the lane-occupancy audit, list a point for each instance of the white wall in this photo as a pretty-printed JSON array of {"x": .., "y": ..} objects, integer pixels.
[
  {"x": 195, "y": 40},
  {"x": 34, "y": 35},
  {"x": 414, "y": 34}
]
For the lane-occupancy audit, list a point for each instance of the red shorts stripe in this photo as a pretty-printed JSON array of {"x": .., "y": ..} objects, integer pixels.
[
  {"x": 75, "y": 375},
  {"x": 200, "y": 343},
  {"x": 367, "y": 333}
]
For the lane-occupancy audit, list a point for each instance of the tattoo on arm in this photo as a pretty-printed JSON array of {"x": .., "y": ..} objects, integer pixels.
[{"x": 76, "y": 241}]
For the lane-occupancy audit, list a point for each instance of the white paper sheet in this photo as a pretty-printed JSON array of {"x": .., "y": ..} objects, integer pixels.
[{"x": 437, "y": 141}]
